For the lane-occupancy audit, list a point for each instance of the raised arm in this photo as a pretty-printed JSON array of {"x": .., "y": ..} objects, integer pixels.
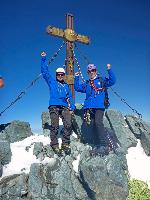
[
  {"x": 79, "y": 87},
  {"x": 111, "y": 77},
  {"x": 44, "y": 68}
]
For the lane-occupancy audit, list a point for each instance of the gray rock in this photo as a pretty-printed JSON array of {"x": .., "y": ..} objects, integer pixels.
[
  {"x": 77, "y": 124},
  {"x": 145, "y": 138},
  {"x": 68, "y": 185},
  {"x": 124, "y": 135},
  {"x": 48, "y": 151},
  {"x": 1, "y": 169},
  {"x": 36, "y": 181},
  {"x": 41, "y": 151},
  {"x": 104, "y": 178},
  {"x": 14, "y": 187},
  {"x": 141, "y": 130},
  {"x": 134, "y": 124},
  {"x": 98, "y": 178},
  {"x": 38, "y": 148},
  {"x": 46, "y": 122},
  {"x": 15, "y": 131},
  {"x": 5, "y": 152},
  {"x": 55, "y": 180}
]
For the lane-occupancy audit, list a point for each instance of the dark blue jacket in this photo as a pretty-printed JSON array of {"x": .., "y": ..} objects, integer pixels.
[
  {"x": 94, "y": 99},
  {"x": 58, "y": 92}
]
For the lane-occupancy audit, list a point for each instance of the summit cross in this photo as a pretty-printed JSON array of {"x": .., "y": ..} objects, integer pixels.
[{"x": 70, "y": 36}]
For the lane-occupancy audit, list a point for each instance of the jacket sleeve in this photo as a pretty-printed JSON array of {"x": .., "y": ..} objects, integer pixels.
[
  {"x": 79, "y": 87},
  {"x": 72, "y": 106},
  {"x": 110, "y": 80},
  {"x": 45, "y": 72}
]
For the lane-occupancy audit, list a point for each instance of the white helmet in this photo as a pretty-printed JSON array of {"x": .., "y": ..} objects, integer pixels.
[{"x": 60, "y": 70}]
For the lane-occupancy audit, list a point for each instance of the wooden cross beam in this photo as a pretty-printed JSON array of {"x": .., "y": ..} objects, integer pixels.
[{"x": 70, "y": 36}]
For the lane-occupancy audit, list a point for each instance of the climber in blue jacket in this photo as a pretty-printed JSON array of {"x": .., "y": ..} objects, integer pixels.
[
  {"x": 60, "y": 104},
  {"x": 96, "y": 100}
]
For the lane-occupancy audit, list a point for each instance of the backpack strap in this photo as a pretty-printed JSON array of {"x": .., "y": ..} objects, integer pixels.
[
  {"x": 101, "y": 81},
  {"x": 106, "y": 100}
]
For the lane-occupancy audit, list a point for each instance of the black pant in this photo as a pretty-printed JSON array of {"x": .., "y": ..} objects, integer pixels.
[
  {"x": 95, "y": 132},
  {"x": 55, "y": 112}
]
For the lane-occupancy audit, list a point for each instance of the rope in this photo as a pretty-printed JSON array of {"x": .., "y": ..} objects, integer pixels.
[
  {"x": 22, "y": 93},
  {"x": 124, "y": 101},
  {"x": 81, "y": 53},
  {"x": 56, "y": 54},
  {"x": 79, "y": 68}
]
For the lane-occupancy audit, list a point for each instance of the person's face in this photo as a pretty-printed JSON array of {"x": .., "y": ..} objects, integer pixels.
[
  {"x": 92, "y": 73},
  {"x": 60, "y": 76}
]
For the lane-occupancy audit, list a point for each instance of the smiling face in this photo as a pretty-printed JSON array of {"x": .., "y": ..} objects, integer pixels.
[
  {"x": 60, "y": 76},
  {"x": 92, "y": 73}
]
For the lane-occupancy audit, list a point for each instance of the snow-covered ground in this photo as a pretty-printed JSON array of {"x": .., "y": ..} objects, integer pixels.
[
  {"x": 138, "y": 162},
  {"x": 21, "y": 159}
]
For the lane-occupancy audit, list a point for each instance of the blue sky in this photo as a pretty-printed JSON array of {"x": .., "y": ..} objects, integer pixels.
[{"x": 119, "y": 32}]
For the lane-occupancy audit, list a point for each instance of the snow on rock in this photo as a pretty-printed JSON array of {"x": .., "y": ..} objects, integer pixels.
[
  {"x": 75, "y": 163},
  {"x": 21, "y": 159},
  {"x": 138, "y": 163}
]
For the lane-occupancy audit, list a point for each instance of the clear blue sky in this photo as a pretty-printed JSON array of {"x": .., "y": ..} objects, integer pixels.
[{"x": 120, "y": 35}]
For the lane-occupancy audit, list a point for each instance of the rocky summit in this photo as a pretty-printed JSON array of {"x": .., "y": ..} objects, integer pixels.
[{"x": 92, "y": 178}]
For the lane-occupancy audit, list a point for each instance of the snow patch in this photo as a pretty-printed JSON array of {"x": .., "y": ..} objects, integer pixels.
[{"x": 138, "y": 163}]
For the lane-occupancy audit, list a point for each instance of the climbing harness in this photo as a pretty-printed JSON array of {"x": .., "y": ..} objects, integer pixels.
[{"x": 87, "y": 116}]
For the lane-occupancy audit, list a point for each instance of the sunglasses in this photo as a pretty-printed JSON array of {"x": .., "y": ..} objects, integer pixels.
[
  {"x": 93, "y": 70},
  {"x": 62, "y": 74}
]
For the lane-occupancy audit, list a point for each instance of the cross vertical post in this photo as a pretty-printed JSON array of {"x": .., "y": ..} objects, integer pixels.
[
  {"x": 70, "y": 36},
  {"x": 69, "y": 54}
]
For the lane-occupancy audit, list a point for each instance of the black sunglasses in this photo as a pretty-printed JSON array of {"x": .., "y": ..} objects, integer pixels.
[
  {"x": 93, "y": 70},
  {"x": 60, "y": 74}
]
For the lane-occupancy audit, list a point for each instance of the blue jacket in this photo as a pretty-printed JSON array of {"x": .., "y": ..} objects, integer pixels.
[
  {"x": 58, "y": 92},
  {"x": 94, "y": 99}
]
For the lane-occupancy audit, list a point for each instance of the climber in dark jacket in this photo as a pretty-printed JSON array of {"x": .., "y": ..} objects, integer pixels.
[
  {"x": 94, "y": 104},
  {"x": 60, "y": 104}
]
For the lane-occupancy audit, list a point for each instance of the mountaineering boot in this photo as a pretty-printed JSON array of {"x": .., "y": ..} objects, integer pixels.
[
  {"x": 57, "y": 151},
  {"x": 66, "y": 149}
]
